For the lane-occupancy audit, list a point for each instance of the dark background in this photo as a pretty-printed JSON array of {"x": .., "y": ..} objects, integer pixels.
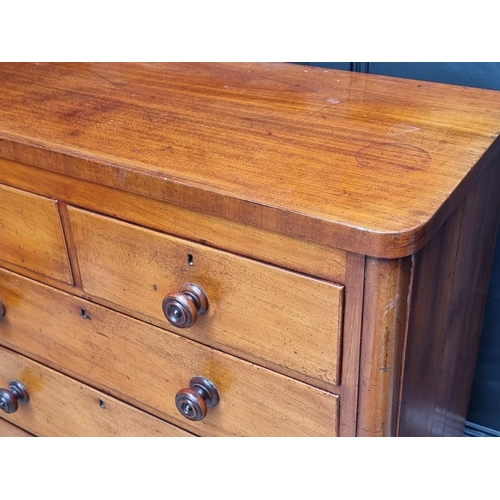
[{"x": 484, "y": 407}]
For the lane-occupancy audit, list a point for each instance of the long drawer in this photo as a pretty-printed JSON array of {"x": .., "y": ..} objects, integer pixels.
[
  {"x": 147, "y": 366},
  {"x": 269, "y": 314},
  {"x": 9, "y": 430},
  {"x": 60, "y": 406}
]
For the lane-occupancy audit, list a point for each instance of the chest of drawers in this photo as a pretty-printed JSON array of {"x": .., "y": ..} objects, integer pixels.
[{"x": 241, "y": 250}]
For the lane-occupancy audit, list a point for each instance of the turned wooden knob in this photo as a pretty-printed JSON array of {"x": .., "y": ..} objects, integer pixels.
[
  {"x": 2, "y": 309},
  {"x": 193, "y": 403},
  {"x": 10, "y": 398},
  {"x": 182, "y": 309}
]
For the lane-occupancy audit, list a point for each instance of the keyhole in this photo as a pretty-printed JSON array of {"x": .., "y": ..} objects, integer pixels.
[
  {"x": 84, "y": 314},
  {"x": 190, "y": 260}
]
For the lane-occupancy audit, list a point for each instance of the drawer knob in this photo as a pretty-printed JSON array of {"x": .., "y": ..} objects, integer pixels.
[
  {"x": 182, "y": 309},
  {"x": 2, "y": 309},
  {"x": 193, "y": 403},
  {"x": 10, "y": 398}
]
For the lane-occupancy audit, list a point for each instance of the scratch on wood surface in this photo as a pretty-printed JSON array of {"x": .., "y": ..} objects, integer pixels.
[
  {"x": 332, "y": 102},
  {"x": 105, "y": 79},
  {"x": 340, "y": 264},
  {"x": 148, "y": 114},
  {"x": 400, "y": 129},
  {"x": 165, "y": 372},
  {"x": 153, "y": 257},
  {"x": 391, "y": 305},
  {"x": 94, "y": 364}
]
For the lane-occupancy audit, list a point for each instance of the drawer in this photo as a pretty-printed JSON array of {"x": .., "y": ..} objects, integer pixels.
[
  {"x": 9, "y": 430},
  {"x": 31, "y": 234},
  {"x": 146, "y": 365},
  {"x": 61, "y": 406},
  {"x": 288, "y": 321}
]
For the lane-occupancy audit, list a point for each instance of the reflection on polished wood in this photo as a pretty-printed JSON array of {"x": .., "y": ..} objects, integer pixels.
[
  {"x": 367, "y": 163},
  {"x": 341, "y": 225}
]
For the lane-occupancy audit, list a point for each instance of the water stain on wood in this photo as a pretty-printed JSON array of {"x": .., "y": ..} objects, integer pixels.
[
  {"x": 394, "y": 157},
  {"x": 31, "y": 380}
]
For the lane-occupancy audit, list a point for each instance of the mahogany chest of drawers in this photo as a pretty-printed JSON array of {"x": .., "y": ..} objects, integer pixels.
[{"x": 241, "y": 250}]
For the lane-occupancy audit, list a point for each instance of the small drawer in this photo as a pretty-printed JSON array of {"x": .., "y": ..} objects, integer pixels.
[
  {"x": 146, "y": 365},
  {"x": 60, "y": 406},
  {"x": 31, "y": 235},
  {"x": 271, "y": 316}
]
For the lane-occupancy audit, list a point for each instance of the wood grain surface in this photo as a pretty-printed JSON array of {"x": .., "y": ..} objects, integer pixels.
[
  {"x": 447, "y": 307},
  {"x": 31, "y": 234},
  {"x": 9, "y": 430},
  {"x": 61, "y": 406},
  {"x": 382, "y": 345},
  {"x": 146, "y": 366},
  {"x": 288, "y": 319},
  {"x": 341, "y": 224},
  {"x": 299, "y": 255},
  {"x": 351, "y": 343},
  {"x": 365, "y": 163}
]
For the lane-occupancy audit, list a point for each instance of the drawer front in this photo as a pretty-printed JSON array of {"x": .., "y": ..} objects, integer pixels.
[
  {"x": 147, "y": 366},
  {"x": 31, "y": 235},
  {"x": 61, "y": 406},
  {"x": 267, "y": 313},
  {"x": 9, "y": 430}
]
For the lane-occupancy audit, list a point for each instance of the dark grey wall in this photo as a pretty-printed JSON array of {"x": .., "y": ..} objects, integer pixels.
[{"x": 484, "y": 408}]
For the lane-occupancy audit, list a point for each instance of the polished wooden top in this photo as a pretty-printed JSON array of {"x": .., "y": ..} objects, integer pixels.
[{"x": 366, "y": 163}]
